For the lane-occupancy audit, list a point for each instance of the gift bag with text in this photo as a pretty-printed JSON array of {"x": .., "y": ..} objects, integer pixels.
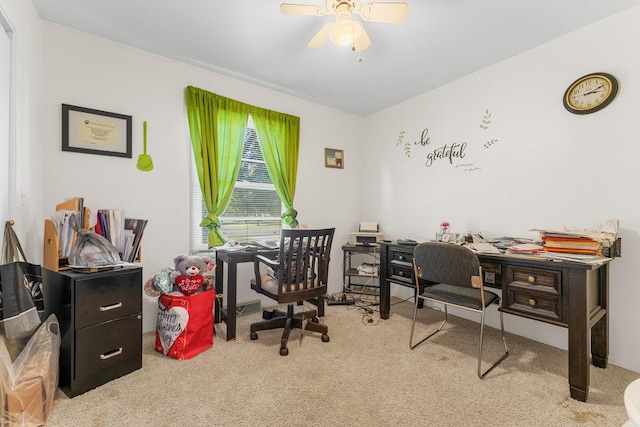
[{"x": 185, "y": 324}]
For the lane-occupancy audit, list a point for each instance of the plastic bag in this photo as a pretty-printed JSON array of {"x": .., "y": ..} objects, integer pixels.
[
  {"x": 28, "y": 385},
  {"x": 160, "y": 283},
  {"x": 92, "y": 250}
]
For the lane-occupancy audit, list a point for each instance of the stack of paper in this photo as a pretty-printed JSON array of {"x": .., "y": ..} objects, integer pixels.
[
  {"x": 581, "y": 241},
  {"x": 65, "y": 223},
  {"x": 574, "y": 245},
  {"x": 483, "y": 247},
  {"x": 567, "y": 242},
  {"x": 525, "y": 248},
  {"x": 366, "y": 269},
  {"x": 585, "y": 259}
]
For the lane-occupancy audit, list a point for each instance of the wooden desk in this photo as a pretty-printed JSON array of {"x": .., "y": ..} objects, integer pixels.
[
  {"x": 567, "y": 294},
  {"x": 232, "y": 257}
]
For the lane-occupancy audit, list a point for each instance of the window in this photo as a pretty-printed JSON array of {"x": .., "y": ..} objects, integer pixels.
[{"x": 254, "y": 210}]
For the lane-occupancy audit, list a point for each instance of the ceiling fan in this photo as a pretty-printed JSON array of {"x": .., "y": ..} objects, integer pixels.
[{"x": 345, "y": 31}]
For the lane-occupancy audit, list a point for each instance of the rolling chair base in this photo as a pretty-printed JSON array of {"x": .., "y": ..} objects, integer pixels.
[{"x": 277, "y": 319}]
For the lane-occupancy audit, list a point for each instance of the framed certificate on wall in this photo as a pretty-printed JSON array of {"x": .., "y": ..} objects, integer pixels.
[{"x": 95, "y": 132}]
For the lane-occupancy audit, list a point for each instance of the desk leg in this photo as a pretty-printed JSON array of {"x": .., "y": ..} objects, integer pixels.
[
  {"x": 231, "y": 300},
  {"x": 385, "y": 302},
  {"x": 385, "y": 285},
  {"x": 578, "y": 336},
  {"x": 219, "y": 285},
  {"x": 600, "y": 331}
]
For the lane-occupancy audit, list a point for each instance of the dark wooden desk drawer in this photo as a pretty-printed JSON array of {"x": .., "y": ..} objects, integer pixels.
[
  {"x": 533, "y": 304},
  {"x": 101, "y": 299},
  {"x": 103, "y": 346},
  {"x": 535, "y": 293},
  {"x": 401, "y": 271},
  {"x": 400, "y": 265},
  {"x": 541, "y": 280},
  {"x": 402, "y": 256}
]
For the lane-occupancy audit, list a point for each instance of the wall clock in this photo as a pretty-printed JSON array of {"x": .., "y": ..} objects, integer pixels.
[{"x": 590, "y": 93}]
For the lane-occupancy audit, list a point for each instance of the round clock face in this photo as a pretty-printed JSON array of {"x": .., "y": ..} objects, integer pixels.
[{"x": 590, "y": 93}]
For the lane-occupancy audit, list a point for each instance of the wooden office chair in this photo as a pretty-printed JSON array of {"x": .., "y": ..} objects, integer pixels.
[
  {"x": 298, "y": 274},
  {"x": 453, "y": 276}
]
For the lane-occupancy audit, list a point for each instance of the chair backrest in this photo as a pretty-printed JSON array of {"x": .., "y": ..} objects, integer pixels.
[
  {"x": 303, "y": 263},
  {"x": 446, "y": 263}
]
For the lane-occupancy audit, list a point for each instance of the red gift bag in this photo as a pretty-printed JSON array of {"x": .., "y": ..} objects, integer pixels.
[{"x": 185, "y": 324}]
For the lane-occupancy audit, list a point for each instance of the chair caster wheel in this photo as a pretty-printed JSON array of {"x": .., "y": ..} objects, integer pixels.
[
  {"x": 315, "y": 320},
  {"x": 325, "y": 338},
  {"x": 253, "y": 336},
  {"x": 284, "y": 351}
]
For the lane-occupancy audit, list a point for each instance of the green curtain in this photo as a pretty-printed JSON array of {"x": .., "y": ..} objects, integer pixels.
[
  {"x": 279, "y": 136},
  {"x": 217, "y": 125}
]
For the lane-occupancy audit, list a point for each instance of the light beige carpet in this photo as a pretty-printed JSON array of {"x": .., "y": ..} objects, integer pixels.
[{"x": 365, "y": 376}]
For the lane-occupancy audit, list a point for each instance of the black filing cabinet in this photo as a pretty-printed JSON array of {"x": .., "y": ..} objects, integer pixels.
[{"x": 100, "y": 316}]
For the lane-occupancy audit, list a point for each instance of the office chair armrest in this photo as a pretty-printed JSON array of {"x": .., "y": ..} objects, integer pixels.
[
  {"x": 261, "y": 259},
  {"x": 478, "y": 283}
]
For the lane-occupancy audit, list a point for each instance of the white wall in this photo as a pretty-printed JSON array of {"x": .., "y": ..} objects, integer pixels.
[
  {"x": 25, "y": 192},
  {"x": 547, "y": 169},
  {"x": 86, "y": 71}
]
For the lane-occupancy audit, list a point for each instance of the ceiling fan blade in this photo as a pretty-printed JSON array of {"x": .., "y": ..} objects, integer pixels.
[
  {"x": 363, "y": 41},
  {"x": 391, "y": 13},
  {"x": 321, "y": 37},
  {"x": 301, "y": 9}
]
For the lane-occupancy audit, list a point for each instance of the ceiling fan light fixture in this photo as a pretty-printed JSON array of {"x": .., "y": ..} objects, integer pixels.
[{"x": 345, "y": 31}]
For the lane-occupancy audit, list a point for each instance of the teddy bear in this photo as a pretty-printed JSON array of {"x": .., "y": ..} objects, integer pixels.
[{"x": 191, "y": 272}]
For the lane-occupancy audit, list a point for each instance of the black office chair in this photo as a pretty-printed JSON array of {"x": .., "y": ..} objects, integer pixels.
[
  {"x": 452, "y": 275},
  {"x": 298, "y": 274}
]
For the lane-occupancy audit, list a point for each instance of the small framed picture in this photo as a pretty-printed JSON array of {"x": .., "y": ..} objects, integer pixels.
[
  {"x": 333, "y": 158},
  {"x": 95, "y": 132}
]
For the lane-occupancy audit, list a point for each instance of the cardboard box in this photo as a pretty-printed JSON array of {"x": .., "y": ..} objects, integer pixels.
[{"x": 26, "y": 403}]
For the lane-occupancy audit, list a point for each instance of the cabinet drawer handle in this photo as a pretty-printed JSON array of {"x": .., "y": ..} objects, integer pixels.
[
  {"x": 531, "y": 279},
  {"x": 401, "y": 258},
  {"x": 109, "y": 355},
  {"x": 532, "y": 302},
  {"x": 111, "y": 307}
]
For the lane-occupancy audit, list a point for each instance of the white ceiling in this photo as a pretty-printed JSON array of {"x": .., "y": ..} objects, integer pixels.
[{"x": 439, "y": 41}]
